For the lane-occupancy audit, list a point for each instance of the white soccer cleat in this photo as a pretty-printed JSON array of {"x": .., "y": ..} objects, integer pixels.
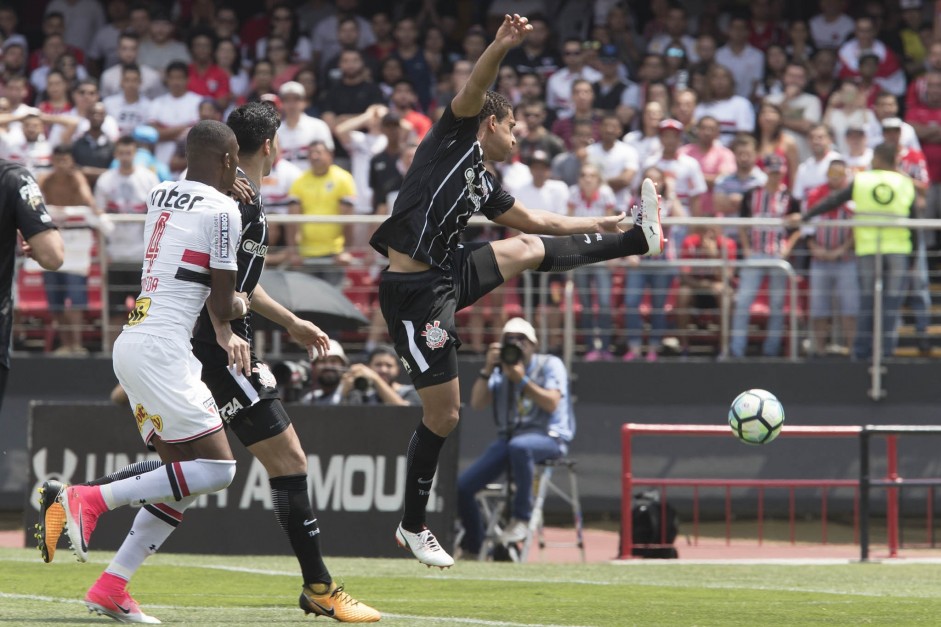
[
  {"x": 516, "y": 531},
  {"x": 424, "y": 546},
  {"x": 647, "y": 218}
]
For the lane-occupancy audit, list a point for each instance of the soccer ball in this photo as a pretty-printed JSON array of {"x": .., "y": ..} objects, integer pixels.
[{"x": 756, "y": 416}]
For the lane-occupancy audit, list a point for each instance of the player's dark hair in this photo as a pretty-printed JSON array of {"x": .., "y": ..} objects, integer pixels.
[
  {"x": 177, "y": 66},
  {"x": 207, "y": 137},
  {"x": 252, "y": 124},
  {"x": 495, "y": 104},
  {"x": 885, "y": 153}
]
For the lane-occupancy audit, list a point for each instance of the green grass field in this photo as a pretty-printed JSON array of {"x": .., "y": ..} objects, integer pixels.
[{"x": 216, "y": 590}]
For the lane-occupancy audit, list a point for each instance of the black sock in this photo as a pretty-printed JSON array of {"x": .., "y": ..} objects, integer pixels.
[
  {"x": 128, "y": 471},
  {"x": 421, "y": 464},
  {"x": 296, "y": 517},
  {"x": 573, "y": 251}
]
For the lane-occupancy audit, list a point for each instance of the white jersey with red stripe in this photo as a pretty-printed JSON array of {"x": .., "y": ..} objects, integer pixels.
[{"x": 190, "y": 228}]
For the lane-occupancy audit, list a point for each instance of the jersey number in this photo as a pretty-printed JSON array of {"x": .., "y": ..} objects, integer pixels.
[{"x": 153, "y": 248}]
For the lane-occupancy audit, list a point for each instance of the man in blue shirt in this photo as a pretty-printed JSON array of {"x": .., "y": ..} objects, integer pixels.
[{"x": 529, "y": 395}]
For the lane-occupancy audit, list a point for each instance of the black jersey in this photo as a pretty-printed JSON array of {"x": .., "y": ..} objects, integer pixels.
[
  {"x": 21, "y": 209},
  {"x": 253, "y": 246},
  {"x": 446, "y": 184}
]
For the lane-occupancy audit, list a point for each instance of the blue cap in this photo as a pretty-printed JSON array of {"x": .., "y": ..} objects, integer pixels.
[
  {"x": 608, "y": 51},
  {"x": 146, "y": 134}
]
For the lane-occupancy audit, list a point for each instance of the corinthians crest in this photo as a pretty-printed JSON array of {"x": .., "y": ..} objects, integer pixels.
[{"x": 435, "y": 336}]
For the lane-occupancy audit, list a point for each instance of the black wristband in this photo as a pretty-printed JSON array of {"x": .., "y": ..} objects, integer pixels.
[{"x": 483, "y": 374}]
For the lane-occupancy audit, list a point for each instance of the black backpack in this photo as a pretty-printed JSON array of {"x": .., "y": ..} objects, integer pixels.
[{"x": 645, "y": 514}]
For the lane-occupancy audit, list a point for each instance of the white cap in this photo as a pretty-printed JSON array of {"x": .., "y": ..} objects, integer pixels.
[
  {"x": 521, "y": 327},
  {"x": 336, "y": 351},
  {"x": 292, "y": 88}
]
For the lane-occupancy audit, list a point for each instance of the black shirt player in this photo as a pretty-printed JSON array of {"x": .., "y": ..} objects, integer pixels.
[
  {"x": 21, "y": 210},
  {"x": 431, "y": 275}
]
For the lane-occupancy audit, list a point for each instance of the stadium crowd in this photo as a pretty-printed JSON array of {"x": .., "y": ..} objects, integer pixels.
[{"x": 754, "y": 109}]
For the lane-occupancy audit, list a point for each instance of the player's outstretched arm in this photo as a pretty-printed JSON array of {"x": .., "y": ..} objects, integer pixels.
[
  {"x": 470, "y": 99},
  {"x": 305, "y": 333},
  {"x": 540, "y": 222}
]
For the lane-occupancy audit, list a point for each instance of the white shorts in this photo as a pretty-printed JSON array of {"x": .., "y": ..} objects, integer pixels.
[{"x": 162, "y": 381}]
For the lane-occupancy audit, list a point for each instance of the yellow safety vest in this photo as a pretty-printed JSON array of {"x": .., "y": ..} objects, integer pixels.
[{"x": 882, "y": 195}]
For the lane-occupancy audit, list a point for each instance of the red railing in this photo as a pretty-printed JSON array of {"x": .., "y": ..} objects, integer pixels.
[{"x": 629, "y": 481}]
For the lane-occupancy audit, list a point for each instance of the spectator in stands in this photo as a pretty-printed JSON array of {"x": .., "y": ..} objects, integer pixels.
[
  {"x": 858, "y": 155},
  {"x": 915, "y": 92},
  {"x": 262, "y": 81},
  {"x": 307, "y": 77},
  {"x": 160, "y": 50},
  {"x": 537, "y": 136},
  {"x": 413, "y": 60},
  {"x": 800, "y": 49},
  {"x": 639, "y": 277},
  {"x": 536, "y": 54},
  {"x": 847, "y": 108},
  {"x": 54, "y": 51},
  {"x": 763, "y": 29},
  {"x": 56, "y": 99},
  {"x": 387, "y": 168},
  {"x": 82, "y": 19},
  {"x": 209, "y": 109},
  {"x": 799, "y": 110},
  {"x": 353, "y": 93},
  {"x": 13, "y": 61},
  {"x": 390, "y": 72},
  {"x": 769, "y": 131},
  {"x": 533, "y": 410},
  {"x": 613, "y": 93},
  {"x": 111, "y": 78},
  {"x": 65, "y": 186},
  {"x": 26, "y": 144},
  {"x": 173, "y": 113},
  {"x": 374, "y": 382},
  {"x": 9, "y": 23},
  {"x": 362, "y": 138},
  {"x": 278, "y": 55},
  {"x": 205, "y": 77},
  {"x": 560, "y": 86},
  {"x": 890, "y": 74},
  {"x": 226, "y": 26},
  {"x": 703, "y": 288},
  {"x": 508, "y": 85},
  {"x": 93, "y": 150},
  {"x": 381, "y": 24},
  {"x": 683, "y": 111},
  {"x": 714, "y": 159},
  {"x": 706, "y": 47},
  {"x": 617, "y": 161},
  {"x": 139, "y": 17},
  {"x": 284, "y": 25},
  {"x": 324, "y": 37},
  {"x": 660, "y": 92},
  {"x": 887, "y": 108},
  {"x": 592, "y": 197},
  {"x": 129, "y": 107},
  {"x": 146, "y": 138},
  {"x": 833, "y": 273},
  {"x": 104, "y": 46},
  {"x": 474, "y": 43},
  {"x": 646, "y": 140},
  {"x": 831, "y": 27},
  {"x": 404, "y": 102},
  {"x": 124, "y": 190},
  {"x": 764, "y": 243},
  {"x": 733, "y": 112},
  {"x": 824, "y": 84},
  {"x": 813, "y": 171},
  {"x": 775, "y": 66},
  {"x": 583, "y": 101},
  {"x": 925, "y": 118},
  {"x": 567, "y": 166},
  {"x": 229, "y": 60},
  {"x": 324, "y": 189},
  {"x": 745, "y": 62},
  {"x": 683, "y": 172},
  {"x": 326, "y": 372},
  {"x": 675, "y": 34},
  {"x": 730, "y": 189},
  {"x": 298, "y": 130},
  {"x": 53, "y": 24}
]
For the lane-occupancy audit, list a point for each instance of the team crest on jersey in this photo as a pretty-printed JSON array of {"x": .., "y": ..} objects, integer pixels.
[
  {"x": 435, "y": 336},
  {"x": 30, "y": 192},
  {"x": 264, "y": 375},
  {"x": 141, "y": 416}
]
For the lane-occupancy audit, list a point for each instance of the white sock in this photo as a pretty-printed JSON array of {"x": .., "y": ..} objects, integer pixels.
[
  {"x": 152, "y": 526},
  {"x": 173, "y": 482}
]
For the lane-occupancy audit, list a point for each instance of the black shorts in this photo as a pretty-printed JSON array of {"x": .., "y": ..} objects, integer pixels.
[
  {"x": 238, "y": 396},
  {"x": 123, "y": 282},
  {"x": 419, "y": 308},
  {"x": 705, "y": 300}
]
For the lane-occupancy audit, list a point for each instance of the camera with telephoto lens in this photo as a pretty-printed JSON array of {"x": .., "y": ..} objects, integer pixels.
[
  {"x": 511, "y": 353},
  {"x": 362, "y": 384}
]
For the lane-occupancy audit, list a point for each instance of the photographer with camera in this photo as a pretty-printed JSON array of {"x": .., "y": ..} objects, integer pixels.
[
  {"x": 327, "y": 371},
  {"x": 374, "y": 383},
  {"x": 529, "y": 395}
]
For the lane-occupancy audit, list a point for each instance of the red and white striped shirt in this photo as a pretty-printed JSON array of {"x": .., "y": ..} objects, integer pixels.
[
  {"x": 761, "y": 203},
  {"x": 830, "y": 237}
]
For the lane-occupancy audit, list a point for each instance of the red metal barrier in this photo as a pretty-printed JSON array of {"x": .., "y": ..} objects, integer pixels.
[{"x": 629, "y": 481}]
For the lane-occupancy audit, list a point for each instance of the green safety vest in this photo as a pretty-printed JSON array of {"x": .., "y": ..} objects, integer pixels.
[{"x": 882, "y": 195}]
